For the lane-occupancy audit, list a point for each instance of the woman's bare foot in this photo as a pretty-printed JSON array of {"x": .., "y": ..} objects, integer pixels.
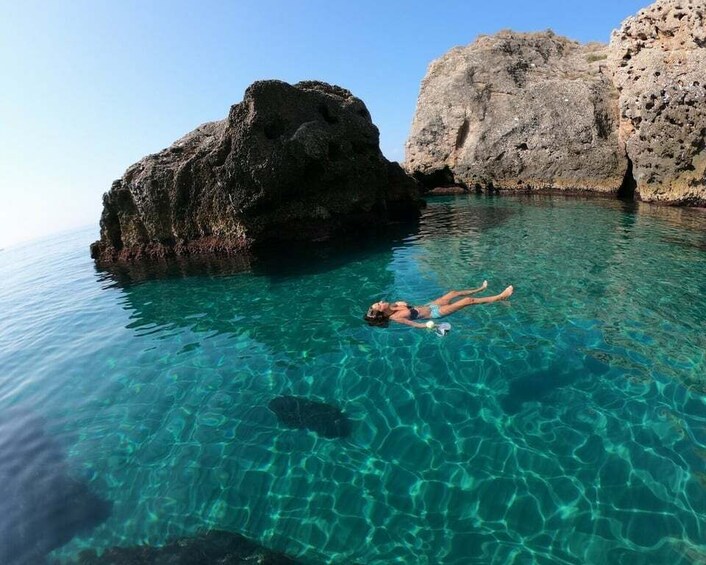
[
  {"x": 506, "y": 293},
  {"x": 484, "y": 285}
]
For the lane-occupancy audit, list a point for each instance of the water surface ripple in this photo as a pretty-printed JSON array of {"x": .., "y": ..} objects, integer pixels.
[{"x": 567, "y": 425}]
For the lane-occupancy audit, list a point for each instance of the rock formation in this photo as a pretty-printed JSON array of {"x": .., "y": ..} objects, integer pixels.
[
  {"x": 289, "y": 162},
  {"x": 659, "y": 63},
  {"x": 518, "y": 111},
  {"x": 534, "y": 110}
]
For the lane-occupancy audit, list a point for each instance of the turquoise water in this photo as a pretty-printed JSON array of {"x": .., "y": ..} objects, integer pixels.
[{"x": 567, "y": 425}]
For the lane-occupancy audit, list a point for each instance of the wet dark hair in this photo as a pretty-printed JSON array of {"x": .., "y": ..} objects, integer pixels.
[{"x": 376, "y": 318}]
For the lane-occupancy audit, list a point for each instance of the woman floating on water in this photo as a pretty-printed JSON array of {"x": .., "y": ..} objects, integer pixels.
[{"x": 380, "y": 313}]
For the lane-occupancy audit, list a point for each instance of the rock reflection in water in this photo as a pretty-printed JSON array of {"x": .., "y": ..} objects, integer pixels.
[{"x": 180, "y": 293}]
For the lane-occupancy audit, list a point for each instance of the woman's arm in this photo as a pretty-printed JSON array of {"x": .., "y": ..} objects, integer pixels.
[{"x": 407, "y": 322}]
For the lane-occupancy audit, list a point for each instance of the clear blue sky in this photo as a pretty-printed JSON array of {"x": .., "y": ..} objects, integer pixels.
[{"x": 89, "y": 87}]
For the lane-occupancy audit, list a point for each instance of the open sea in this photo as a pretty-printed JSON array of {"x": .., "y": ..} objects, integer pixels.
[{"x": 566, "y": 425}]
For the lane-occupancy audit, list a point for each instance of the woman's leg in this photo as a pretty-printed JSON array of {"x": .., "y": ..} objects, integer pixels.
[
  {"x": 449, "y": 296},
  {"x": 447, "y": 309}
]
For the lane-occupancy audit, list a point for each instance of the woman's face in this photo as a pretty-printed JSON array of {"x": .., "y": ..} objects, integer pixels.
[{"x": 381, "y": 306}]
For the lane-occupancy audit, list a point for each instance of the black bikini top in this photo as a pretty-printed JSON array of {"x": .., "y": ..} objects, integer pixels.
[{"x": 413, "y": 313}]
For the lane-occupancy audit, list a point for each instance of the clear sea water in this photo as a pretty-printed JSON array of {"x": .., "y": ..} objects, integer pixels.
[{"x": 567, "y": 425}]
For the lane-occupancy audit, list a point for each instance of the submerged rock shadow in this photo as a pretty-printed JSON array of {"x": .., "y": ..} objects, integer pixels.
[
  {"x": 224, "y": 548},
  {"x": 537, "y": 386},
  {"x": 44, "y": 507},
  {"x": 301, "y": 413}
]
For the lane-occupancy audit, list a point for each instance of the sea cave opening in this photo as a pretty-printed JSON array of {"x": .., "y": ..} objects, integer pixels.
[{"x": 627, "y": 189}]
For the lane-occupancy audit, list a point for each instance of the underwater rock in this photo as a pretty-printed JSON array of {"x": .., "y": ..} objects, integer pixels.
[
  {"x": 289, "y": 163},
  {"x": 43, "y": 507},
  {"x": 301, "y": 413},
  {"x": 518, "y": 111},
  {"x": 216, "y": 547},
  {"x": 538, "y": 386}
]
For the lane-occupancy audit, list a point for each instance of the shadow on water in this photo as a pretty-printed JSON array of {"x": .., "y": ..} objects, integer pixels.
[
  {"x": 43, "y": 507},
  {"x": 296, "y": 259},
  {"x": 307, "y": 285},
  {"x": 693, "y": 219},
  {"x": 123, "y": 275},
  {"x": 689, "y": 223},
  {"x": 286, "y": 298},
  {"x": 441, "y": 218}
]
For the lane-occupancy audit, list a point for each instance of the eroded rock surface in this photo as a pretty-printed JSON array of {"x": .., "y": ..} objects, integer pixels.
[
  {"x": 518, "y": 111},
  {"x": 290, "y": 162},
  {"x": 659, "y": 62}
]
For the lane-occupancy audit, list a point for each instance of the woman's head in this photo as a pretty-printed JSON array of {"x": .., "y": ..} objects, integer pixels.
[{"x": 378, "y": 314}]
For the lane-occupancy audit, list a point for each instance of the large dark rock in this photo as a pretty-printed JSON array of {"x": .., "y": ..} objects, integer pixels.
[
  {"x": 216, "y": 547},
  {"x": 289, "y": 162},
  {"x": 42, "y": 506},
  {"x": 301, "y": 413}
]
